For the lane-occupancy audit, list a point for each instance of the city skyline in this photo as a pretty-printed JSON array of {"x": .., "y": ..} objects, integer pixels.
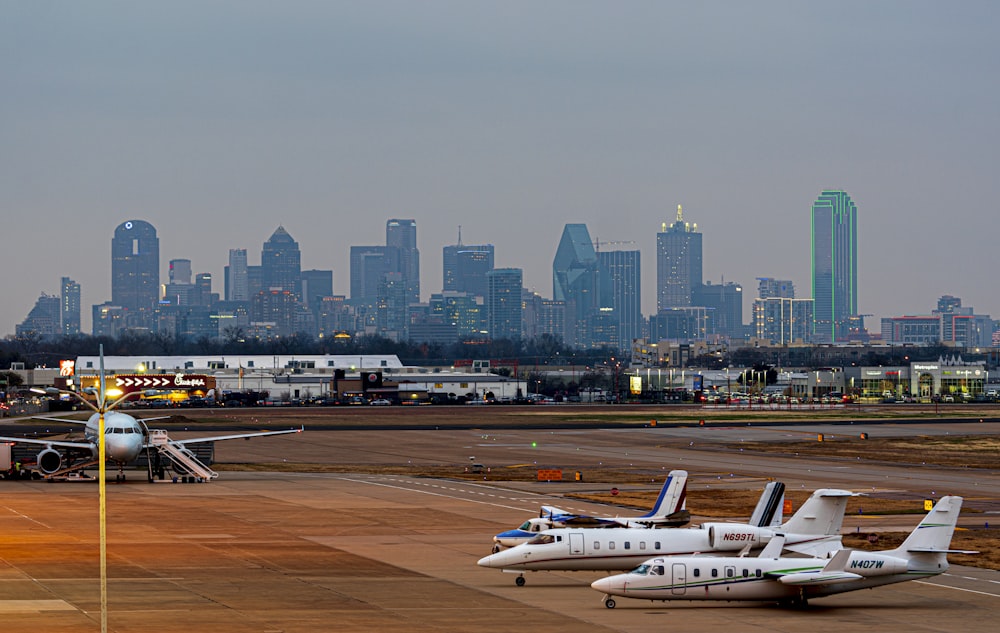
[{"x": 329, "y": 120}]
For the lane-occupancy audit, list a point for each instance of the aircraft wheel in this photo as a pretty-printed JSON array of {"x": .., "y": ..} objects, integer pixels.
[
  {"x": 519, "y": 581},
  {"x": 610, "y": 603},
  {"x": 496, "y": 548}
]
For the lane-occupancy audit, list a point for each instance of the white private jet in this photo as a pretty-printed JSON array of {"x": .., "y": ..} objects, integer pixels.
[
  {"x": 668, "y": 511},
  {"x": 125, "y": 437},
  {"x": 768, "y": 577},
  {"x": 814, "y": 531}
]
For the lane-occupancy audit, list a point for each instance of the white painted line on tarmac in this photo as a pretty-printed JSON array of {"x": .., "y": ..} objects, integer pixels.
[
  {"x": 489, "y": 503},
  {"x": 935, "y": 584}
]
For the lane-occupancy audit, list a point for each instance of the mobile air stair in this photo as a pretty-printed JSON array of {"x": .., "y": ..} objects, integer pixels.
[{"x": 182, "y": 459}]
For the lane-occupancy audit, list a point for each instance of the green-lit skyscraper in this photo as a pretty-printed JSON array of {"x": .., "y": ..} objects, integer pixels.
[{"x": 834, "y": 264}]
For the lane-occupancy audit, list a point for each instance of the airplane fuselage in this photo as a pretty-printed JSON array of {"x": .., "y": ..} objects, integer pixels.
[
  {"x": 760, "y": 579},
  {"x": 124, "y": 437},
  {"x": 602, "y": 549}
]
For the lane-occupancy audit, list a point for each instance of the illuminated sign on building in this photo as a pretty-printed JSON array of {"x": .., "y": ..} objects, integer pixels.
[{"x": 67, "y": 368}]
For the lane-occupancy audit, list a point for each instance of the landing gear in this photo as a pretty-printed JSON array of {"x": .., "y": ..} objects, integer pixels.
[
  {"x": 496, "y": 548},
  {"x": 519, "y": 581},
  {"x": 609, "y": 603}
]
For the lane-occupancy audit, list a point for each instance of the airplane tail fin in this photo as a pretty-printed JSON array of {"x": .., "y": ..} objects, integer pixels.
[
  {"x": 822, "y": 513},
  {"x": 672, "y": 496},
  {"x": 933, "y": 534},
  {"x": 769, "y": 507}
]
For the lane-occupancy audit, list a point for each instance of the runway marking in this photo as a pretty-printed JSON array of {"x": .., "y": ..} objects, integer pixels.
[
  {"x": 425, "y": 492},
  {"x": 996, "y": 582},
  {"x": 35, "y": 606},
  {"x": 21, "y": 515},
  {"x": 935, "y": 584}
]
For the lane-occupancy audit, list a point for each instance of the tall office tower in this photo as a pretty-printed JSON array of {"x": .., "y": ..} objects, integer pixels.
[
  {"x": 180, "y": 271},
  {"x": 624, "y": 272},
  {"x": 44, "y": 318},
  {"x": 237, "y": 276},
  {"x": 367, "y": 270},
  {"x": 464, "y": 311},
  {"x": 70, "y": 302},
  {"x": 678, "y": 263},
  {"x": 835, "y": 265},
  {"x": 178, "y": 291},
  {"x": 402, "y": 255},
  {"x": 768, "y": 288},
  {"x": 391, "y": 318},
  {"x": 281, "y": 263},
  {"x": 273, "y": 312},
  {"x": 725, "y": 302},
  {"x": 315, "y": 285},
  {"x": 203, "y": 290},
  {"x": 135, "y": 266},
  {"x": 577, "y": 280},
  {"x": 783, "y": 320},
  {"x": 465, "y": 267},
  {"x": 949, "y": 303},
  {"x": 503, "y": 303}
]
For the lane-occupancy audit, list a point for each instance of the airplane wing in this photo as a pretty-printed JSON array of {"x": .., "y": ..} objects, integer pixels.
[
  {"x": 63, "y": 420},
  {"x": 244, "y": 436},
  {"x": 81, "y": 444},
  {"x": 833, "y": 573},
  {"x": 820, "y": 547},
  {"x": 552, "y": 511},
  {"x": 674, "y": 519}
]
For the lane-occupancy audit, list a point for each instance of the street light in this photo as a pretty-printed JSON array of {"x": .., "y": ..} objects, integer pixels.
[{"x": 101, "y": 408}]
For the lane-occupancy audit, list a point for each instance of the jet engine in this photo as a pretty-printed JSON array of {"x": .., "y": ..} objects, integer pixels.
[
  {"x": 49, "y": 461},
  {"x": 726, "y": 537}
]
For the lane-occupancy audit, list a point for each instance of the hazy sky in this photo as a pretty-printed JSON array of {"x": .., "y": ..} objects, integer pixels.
[{"x": 218, "y": 121}]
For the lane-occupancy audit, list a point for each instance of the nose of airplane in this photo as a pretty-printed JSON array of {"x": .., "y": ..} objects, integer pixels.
[
  {"x": 607, "y": 585},
  {"x": 486, "y": 561},
  {"x": 122, "y": 447}
]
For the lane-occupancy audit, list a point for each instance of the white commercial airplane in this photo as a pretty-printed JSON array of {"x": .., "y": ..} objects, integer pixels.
[
  {"x": 768, "y": 577},
  {"x": 668, "y": 511},
  {"x": 125, "y": 438},
  {"x": 814, "y": 531}
]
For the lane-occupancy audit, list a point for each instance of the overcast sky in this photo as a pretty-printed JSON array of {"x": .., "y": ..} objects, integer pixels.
[{"x": 218, "y": 121}]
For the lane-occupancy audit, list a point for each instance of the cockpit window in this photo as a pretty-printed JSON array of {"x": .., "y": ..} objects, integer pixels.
[
  {"x": 526, "y": 526},
  {"x": 641, "y": 570},
  {"x": 543, "y": 539},
  {"x": 657, "y": 570}
]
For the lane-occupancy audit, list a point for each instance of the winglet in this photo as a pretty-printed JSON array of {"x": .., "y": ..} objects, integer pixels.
[{"x": 773, "y": 547}]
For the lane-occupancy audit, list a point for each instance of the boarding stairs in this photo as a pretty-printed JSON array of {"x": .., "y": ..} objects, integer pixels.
[{"x": 182, "y": 459}]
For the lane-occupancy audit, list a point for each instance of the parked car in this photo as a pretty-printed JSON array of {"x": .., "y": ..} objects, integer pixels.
[{"x": 380, "y": 402}]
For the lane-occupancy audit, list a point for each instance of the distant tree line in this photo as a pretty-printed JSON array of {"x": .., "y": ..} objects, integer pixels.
[{"x": 36, "y": 351}]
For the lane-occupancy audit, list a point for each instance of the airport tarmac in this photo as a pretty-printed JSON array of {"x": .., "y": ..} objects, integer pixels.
[{"x": 364, "y": 552}]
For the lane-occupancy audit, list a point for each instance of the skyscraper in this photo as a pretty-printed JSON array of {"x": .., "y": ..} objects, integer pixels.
[
  {"x": 281, "y": 263},
  {"x": 834, "y": 264},
  {"x": 367, "y": 270},
  {"x": 135, "y": 266},
  {"x": 678, "y": 263},
  {"x": 465, "y": 267},
  {"x": 577, "y": 280},
  {"x": 70, "y": 300},
  {"x": 237, "y": 276},
  {"x": 503, "y": 303},
  {"x": 402, "y": 255},
  {"x": 315, "y": 285},
  {"x": 43, "y": 320},
  {"x": 624, "y": 272}
]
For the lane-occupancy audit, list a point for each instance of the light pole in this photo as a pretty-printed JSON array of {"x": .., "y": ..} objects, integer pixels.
[{"x": 101, "y": 408}]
